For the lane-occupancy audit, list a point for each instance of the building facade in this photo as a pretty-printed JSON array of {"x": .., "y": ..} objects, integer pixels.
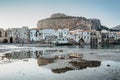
[
  {"x": 35, "y": 35},
  {"x": 81, "y": 36},
  {"x": 63, "y": 36},
  {"x": 18, "y": 35},
  {"x": 43, "y": 36},
  {"x": 96, "y": 37},
  {"x": 3, "y": 36}
]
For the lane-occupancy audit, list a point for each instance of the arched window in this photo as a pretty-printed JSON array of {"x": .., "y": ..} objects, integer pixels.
[{"x": 11, "y": 40}]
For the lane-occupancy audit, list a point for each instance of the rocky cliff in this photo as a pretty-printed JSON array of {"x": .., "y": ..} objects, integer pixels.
[
  {"x": 116, "y": 28},
  {"x": 64, "y": 21}
]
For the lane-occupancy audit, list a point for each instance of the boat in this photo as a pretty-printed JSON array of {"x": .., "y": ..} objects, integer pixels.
[{"x": 62, "y": 41}]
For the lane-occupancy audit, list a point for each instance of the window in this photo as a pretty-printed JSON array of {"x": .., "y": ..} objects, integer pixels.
[
  {"x": 40, "y": 33},
  {"x": 36, "y": 33},
  {"x": 5, "y": 34},
  {"x": 0, "y": 34},
  {"x": 87, "y": 37},
  {"x": 87, "y": 32},
  {"x": 65, "y": 32},
  {"x": 84, "y": 37}
]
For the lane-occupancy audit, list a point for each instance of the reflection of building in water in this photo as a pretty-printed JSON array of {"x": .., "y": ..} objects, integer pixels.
[
  {"x": 18, "y": 55},
  {"x": 23, "y": 54},
  {"x": 62, "y": 65},
  {"x": 30, "y": 53},
  {"x": 36, "y": 53}
]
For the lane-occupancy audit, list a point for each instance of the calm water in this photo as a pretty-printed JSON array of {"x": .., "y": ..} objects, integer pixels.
[{"x": 55, "y": 63}]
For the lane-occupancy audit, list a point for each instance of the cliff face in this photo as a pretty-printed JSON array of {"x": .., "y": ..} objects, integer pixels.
[
  {"x": 116, "y": 28},
  {"x": 63, "y": 21}
]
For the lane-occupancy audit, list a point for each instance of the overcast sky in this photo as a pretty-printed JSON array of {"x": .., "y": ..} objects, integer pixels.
[{"x": 18, "y": 13}]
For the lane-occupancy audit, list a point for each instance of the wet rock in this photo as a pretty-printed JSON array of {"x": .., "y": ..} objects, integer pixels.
[
  {"x": 44, "y": 61},
  {"x": 84, "y": 64},
  {"x": 25, "y": 60},
  {"x": 92, "y": 53},
  {"x": 61, "y": 50},
  {"x": 62, "y": 70},
  {"x": 51, "y": 50},
  {"x": 75, "y": 55}
]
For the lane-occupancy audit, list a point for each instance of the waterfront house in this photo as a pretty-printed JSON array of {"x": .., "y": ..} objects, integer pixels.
[
  {"x": 42, "y": 36},
  {"x": 18, "y": 35},
  {"x": 96, "y": 37},
  {"x": 63, "y": 36},
  {"x": 81, "y": 36},
  {"x": 3, "y": 36},
  {"x": 63, "y": 33},
  {"x": 35, "y": 35},
  {"x": 49, "y": 35},
  {"x": 105, "y": 36},
  {"x": 113, "y": 37},
  {"x": 110, "y": 37}
]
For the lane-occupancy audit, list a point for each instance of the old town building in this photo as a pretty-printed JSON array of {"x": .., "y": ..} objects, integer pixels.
[
  {"x": 3, "y": 36},
  {"x": 81, "y": 36},
  {"x": 18, "y": 35},
  {"x": 96, "y": 37},
  {"x": 43, "y": 36}
]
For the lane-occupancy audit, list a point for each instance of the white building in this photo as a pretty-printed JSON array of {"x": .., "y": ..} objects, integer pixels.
[
  {"x": 63, "y": 36},
  {"x": 113, "y": 34},
  {"x": 46, "y": 35},
  {"x": 81, "y": 36},
  {"x": 63, "y": 33},
  {"x": 35, "y": 35}
]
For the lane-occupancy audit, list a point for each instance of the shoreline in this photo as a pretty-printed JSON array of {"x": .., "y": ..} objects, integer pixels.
[
  {"x": 29, "y": 45},
  {"x": 54, "y": 45}
]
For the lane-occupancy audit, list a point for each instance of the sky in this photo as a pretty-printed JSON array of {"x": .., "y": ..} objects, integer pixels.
[{"x": 18, "y": 13}]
